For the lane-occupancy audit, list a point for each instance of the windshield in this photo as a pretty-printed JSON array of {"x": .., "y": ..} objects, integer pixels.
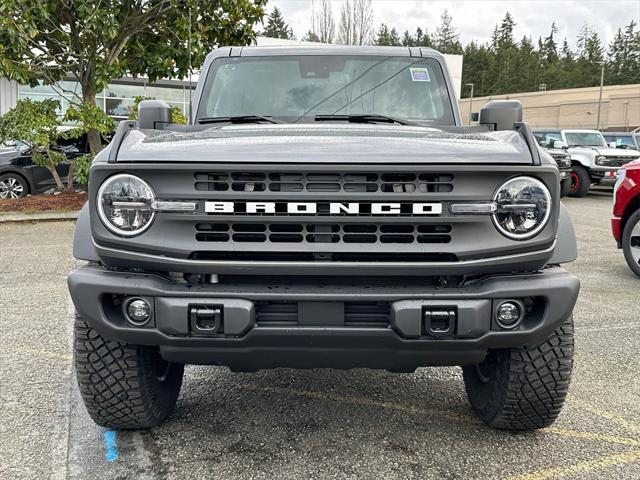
[
  {"x": 298, "y": 88},
  {"x": 585, "y": 139},
  {"x": 621, "y": 140}
]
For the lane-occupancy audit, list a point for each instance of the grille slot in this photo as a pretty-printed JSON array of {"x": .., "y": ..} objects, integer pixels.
[
  {"x": 356, "y": 314},
  {"x": 400, "y": 233},
  {"x": 332, "y": 182}
]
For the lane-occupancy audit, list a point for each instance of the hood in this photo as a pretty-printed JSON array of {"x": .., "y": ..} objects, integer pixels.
[
  {"x": 607, "y": 151},
  {"x": 342, "y": 143},
  {"x": 7, "y": 155}
]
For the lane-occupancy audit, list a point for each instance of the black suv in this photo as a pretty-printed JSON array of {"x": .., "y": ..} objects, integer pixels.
[
  {"x": 324, "y": 208},
  {"x": 20, "y": 175}
]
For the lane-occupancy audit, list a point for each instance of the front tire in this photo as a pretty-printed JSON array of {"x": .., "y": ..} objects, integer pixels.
[
  {"x": 631, "y": 242},
  {"x": 580, "y": 182},
  {"x": 124, "y": 386},
  {"x": 523, "y": 388},
  {"x": 565, "y": 187},
  {"x": 13, "y": 185}
]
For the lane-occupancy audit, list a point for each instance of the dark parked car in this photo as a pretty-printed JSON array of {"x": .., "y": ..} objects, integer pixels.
[{"x": 20, "y": 175}]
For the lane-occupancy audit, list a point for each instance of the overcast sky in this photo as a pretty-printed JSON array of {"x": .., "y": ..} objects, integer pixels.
[{"x": 475, "y": 19}]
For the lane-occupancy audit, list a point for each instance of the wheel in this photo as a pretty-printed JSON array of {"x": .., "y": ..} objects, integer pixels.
[
  {"x": 523, "y": 388},
  {"x": 631, "y": 242},
  {"x": 565, "y": 186},
  {"x": 13, "y": 185},
  {"x": 580, "y": 181},
  {"x": 124, "y": 386}
]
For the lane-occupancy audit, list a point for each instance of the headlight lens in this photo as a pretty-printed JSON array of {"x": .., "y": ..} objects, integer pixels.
[
  {"x": 523, "y": 207},
  {"x": 124, "y": 205},
  {"x": 601, "y": 160}
]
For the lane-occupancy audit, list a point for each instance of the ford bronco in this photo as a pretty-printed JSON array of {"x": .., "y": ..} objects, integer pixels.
[{"x": 324, "y": 208}]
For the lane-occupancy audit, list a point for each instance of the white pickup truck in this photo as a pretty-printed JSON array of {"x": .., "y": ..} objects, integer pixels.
[{"x": 593, "y": 160}]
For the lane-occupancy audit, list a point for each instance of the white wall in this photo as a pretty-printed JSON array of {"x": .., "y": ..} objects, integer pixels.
[{"x": 8, "y": 95}]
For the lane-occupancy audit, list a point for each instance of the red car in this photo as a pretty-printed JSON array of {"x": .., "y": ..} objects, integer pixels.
[{"x": 626, "y": 214}]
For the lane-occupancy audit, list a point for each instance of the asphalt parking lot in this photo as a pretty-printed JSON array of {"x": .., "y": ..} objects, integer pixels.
[{"x": 314, "y": 424}]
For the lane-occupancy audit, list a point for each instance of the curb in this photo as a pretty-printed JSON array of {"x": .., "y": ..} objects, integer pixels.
[{"x": 39, "y": 217}]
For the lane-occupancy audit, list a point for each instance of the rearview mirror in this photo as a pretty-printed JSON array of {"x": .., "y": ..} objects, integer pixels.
[
  {"x": 613, "y": 145},
  {"x": 559, "y": 144}
]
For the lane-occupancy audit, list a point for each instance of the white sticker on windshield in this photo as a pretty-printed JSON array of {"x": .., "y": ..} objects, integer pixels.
[{"x": 419, "y": 74}]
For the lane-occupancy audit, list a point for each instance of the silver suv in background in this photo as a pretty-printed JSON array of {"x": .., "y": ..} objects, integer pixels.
[{"x": 593, "y": 160}]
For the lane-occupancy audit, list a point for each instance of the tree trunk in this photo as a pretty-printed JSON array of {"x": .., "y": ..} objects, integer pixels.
[
  {"x": 93, "y": 136},
  {"x": 56, "y": 177},
  {"x": 70, "y": 177}
]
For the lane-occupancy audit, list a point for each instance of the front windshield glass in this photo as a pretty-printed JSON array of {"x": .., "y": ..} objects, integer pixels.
[
  {"x": 622, "y": 141},
  {"x": 297, "y": 88},
  {"x": 585, "y": 139}
]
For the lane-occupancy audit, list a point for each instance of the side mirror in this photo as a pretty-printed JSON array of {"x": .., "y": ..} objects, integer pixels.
[
  {"x": 153, "y": 112},
  {"x": 613, "y": 145},
  {"x": 559, "y": 144},
  {"x": 501, "y": 114}
]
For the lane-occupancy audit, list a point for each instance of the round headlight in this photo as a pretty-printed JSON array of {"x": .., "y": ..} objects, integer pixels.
[
  {"x": 124, "y": 205},
  {"x": 523, "y": 207}
]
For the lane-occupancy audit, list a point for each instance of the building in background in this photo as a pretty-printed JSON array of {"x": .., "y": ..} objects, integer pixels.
[
  {"x": 117, "y": 99},
  {"x": 574, "y": 108}
]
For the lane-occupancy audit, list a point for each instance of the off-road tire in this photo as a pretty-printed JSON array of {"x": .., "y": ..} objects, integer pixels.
[
  {"x": 627, "y": 244},
  {"x": 523, "y": 388},
  {"x": 124, "y": 386},
  {"x": 565, "y": 187},
  {"x": 580, "y": 182}
]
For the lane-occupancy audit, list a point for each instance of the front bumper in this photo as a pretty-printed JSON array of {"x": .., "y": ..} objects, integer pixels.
[{"x": 317, "y": 331}]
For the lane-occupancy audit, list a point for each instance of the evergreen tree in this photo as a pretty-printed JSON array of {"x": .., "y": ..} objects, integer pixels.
[
  {"x": 276, "y": 26},
  {"x": 394, "y": 38},
  {"x": 408, "y": 40},
  {"x": 447, "y": 38},
  {"x": 383, "y": 37}
]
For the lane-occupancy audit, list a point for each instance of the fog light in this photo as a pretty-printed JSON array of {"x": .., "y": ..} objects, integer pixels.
[
  {"x": 508, "y": 314},
  {"x": 138, "y": 311}
]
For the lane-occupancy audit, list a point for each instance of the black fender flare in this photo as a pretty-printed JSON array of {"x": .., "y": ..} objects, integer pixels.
[
  {"x": 566, "y": 244},
  {"x": 83, "y": 248}
]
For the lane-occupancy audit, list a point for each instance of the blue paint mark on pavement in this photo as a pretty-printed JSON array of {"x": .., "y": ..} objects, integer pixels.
[{"x": 110, "y": 446}]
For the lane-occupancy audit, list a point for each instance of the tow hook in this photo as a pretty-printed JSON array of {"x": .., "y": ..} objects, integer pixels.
[{"x": 205, "y": 320}]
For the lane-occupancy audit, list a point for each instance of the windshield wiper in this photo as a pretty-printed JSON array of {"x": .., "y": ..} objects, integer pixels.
[
  {"x": 241, "y": 119},
  {"x": 364, "y": 118}
]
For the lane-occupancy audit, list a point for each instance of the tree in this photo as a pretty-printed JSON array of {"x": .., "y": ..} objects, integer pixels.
[
  {"x": 356, "y": 22},
  {"x": 408, "y": 40},
  {"x": 87, "y": 117},
  {"x": 447, "y": 39},
  {"x": 276, "y": 26},
  {"x": 95, "y": 42},
  {"x": 323, "y": 24},
  {"x": 310, "y": 36},
  {"x": 36, "y": 124}
]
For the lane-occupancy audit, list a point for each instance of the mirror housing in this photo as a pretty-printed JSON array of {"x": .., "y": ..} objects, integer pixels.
[
  {"x": 559, "y": 144},
  {"x": 152, "y": 112},
  {"x": 501, "y": 114}
]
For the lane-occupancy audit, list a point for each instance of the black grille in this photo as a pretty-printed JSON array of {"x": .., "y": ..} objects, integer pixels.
[
  {"x": 356, "y": 314},
  {"x": 618, "y": 161},
  {"x": 314, "y": 182},
  {"x": 398, "y": 233}
]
